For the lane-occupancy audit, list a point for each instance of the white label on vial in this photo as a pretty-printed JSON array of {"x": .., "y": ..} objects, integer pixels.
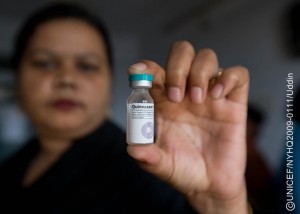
[{"x": 141, "y": 123}]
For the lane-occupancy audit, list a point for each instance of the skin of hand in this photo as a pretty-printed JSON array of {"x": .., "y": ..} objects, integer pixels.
[{"x": 200, "y": 146}]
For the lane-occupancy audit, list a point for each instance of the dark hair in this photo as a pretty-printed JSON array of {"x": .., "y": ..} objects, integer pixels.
[{"x": 51, "y": 12}]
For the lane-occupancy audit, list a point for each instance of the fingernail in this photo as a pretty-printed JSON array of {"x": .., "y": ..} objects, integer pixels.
[
  {"x": 217, "y": 91},
  {"x": 138, "y": 67},
  {"x": 196, "y": 94},
  {"x": 174, "y": 94}
]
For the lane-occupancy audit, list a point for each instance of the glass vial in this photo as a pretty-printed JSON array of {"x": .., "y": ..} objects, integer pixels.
[{"x": 140, "y": 110}]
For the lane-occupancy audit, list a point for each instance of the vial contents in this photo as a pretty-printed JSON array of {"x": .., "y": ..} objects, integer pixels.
[{"x": 140, "y": 110}]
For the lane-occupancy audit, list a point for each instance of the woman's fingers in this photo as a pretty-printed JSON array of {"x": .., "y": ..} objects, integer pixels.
[{"x": 196, "y": 74}]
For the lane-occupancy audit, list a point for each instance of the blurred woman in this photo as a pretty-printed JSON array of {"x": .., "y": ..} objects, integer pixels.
[{"x": 78, "y": 161}]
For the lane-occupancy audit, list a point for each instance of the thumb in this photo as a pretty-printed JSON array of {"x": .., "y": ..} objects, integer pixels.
[{"x": 151, "y": 158}]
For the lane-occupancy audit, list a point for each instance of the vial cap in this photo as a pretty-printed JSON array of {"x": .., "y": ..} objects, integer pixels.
[{"x": 137, "y": 77}]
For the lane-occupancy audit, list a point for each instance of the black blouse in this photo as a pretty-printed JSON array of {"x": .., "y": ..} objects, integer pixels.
[{"x": 95, "y": 175}]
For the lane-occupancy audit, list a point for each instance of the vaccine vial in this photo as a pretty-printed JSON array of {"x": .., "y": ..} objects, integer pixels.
[{"x": 140, "y": 110}]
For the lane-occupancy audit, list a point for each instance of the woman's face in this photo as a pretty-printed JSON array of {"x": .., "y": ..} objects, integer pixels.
[{"x": 64, "y": 79}]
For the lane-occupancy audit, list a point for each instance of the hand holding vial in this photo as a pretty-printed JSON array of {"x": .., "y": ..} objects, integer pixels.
[{"x": 200, "y": 113}]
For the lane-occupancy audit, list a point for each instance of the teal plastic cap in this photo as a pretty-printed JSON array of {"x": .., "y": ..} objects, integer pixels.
[{"x": 137, "y": 77}]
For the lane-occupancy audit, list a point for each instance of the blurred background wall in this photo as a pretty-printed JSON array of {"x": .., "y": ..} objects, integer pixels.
[{"x": 252, "y": 33}]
